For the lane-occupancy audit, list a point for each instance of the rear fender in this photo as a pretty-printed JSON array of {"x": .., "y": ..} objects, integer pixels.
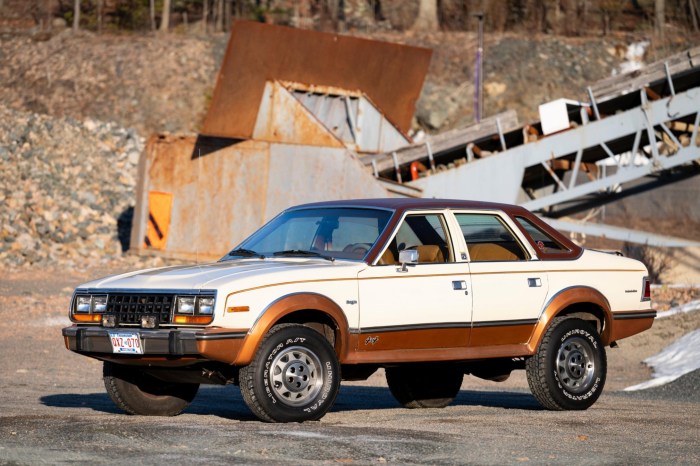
[{"x": 566, "y": 298}]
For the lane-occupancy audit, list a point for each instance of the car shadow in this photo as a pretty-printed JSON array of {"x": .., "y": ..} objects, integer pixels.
[{"x": 227, "y": 401}]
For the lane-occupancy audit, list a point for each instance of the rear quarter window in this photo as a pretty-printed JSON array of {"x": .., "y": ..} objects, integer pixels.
[{"x": 544, "y": 242}]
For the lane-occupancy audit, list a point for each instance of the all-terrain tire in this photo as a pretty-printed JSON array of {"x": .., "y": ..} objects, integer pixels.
[
  {"x": 136, "y": 392},
  {"x": 569, "y": 368},
  {"x": 294, "y": 376},
  {"x": 424, "y": 385}
]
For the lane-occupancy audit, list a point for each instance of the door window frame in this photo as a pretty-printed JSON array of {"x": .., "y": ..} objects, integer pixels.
[
  {"x": 447, "y": 224},
  {"x": 507, "y": 223}
]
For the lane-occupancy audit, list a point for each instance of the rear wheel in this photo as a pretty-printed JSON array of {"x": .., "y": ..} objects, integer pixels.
[
  {"x": 293, "y": 377},
  {"x": 424, "y": 385},
  {"x": 138, "y": 393},
  {"x": 568, "y": 370}
]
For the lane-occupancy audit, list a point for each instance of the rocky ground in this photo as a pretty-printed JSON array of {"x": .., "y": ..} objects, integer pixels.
[{"x": 66, "y": 187}]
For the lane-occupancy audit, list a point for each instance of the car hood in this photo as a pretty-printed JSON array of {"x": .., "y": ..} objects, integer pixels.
[{"x": 211, "y": 276}]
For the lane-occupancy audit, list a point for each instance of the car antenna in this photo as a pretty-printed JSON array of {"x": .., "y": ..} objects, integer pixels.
[{"x": 196, "y": 219}]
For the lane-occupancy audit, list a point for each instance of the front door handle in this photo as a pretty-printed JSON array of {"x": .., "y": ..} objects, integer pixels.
[
  {"x": 459, "y": 285},
  {"x": 534, "y": 282}
]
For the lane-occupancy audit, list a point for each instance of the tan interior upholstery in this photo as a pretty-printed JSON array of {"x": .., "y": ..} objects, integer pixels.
[
  {"x": 490, "y": 252},
  {"x": 429, "y": 253},
  {"x": 387, "y": 258}
]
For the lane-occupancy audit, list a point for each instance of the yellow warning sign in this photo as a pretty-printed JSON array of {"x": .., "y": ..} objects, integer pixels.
[{"x": 159, "y": 208}]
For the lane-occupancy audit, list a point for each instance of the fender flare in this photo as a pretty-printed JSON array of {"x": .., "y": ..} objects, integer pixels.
[
  {"x": 286, "y": 305},
  {"x": 565, "y": 298}
]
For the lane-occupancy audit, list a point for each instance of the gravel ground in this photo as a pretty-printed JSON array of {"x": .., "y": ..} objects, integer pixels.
[
  {"x": 54, "y": 409},
  {"x": 684, "y": 388}
]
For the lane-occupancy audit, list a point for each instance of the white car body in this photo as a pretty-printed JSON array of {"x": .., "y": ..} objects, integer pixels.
[{"x": 454, "y": 307}]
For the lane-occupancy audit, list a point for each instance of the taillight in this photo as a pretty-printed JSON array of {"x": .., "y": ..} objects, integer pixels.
[{"x": 646, "y": 286}]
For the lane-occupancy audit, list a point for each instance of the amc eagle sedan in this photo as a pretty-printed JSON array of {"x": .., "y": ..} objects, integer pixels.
[{"x": 429, "y": 290}]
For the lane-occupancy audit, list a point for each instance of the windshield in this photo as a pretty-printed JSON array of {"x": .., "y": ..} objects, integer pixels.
[{"x": 331, "y": 233}]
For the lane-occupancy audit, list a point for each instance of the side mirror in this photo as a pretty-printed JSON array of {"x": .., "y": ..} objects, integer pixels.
[{"x": 407, "y": 257}]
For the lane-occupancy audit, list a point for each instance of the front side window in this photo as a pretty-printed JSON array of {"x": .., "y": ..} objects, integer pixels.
[
  {"x": 343, "y": 233},
  {"x": 426, "y": 233},
  {"x": 488, "y": 238}
]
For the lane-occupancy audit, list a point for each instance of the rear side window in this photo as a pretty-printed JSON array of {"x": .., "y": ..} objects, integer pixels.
[
  {"x": 542, "y": 240},
  {"x": 488, "y": 239}
]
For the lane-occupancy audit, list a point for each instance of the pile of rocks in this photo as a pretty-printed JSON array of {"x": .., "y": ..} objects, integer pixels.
[
  {"x": 150, "y": 83},
  {"x": 66, "y": 189}
]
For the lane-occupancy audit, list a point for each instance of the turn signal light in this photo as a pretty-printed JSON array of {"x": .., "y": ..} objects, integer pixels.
[
  {"x": 198, "y": 320},
  {"x": 87, "y": 317},
  {"x": 238, "y": 309}
]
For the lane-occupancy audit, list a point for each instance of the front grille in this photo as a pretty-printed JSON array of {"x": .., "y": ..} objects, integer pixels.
[{"x": 129, "y": 308}]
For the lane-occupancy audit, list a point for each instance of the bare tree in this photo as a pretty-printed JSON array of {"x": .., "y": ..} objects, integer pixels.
[
  {"x": 694, "y": 14},
  {"x": 153, "y": 14},
  {"x": 100, "y": 11},
  {"x": 219, "y": 5},
  {"x": 427, "y": 19},
  {"x": 76, "y": 15},
  {"x": 205, "y": 16},
  {"x": 165, "y": 17},
  {"x": 659, "y": 17}
]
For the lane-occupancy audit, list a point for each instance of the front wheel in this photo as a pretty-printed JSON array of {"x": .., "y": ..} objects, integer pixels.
[
  {"x": 568, "y": 370},
  {"x": 136, "y": 392},
  {"x": 293, "y": 377}
]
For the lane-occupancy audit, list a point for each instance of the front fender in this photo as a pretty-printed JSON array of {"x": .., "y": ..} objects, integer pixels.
[{"x": 287, "y": 305}]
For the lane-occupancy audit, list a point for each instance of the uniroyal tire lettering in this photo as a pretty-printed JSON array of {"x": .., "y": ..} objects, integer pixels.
[{"x": 281, "y": 350}]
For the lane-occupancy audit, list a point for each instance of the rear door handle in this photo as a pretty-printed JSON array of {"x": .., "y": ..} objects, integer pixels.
[{"x": 534, "y": 282}]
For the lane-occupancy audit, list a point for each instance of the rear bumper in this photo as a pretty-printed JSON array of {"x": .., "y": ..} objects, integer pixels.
[{"x": 213, "y": 344}]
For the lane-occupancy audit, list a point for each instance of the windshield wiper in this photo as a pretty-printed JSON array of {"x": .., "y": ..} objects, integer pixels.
[
  {"x": 303, "y": 253},
  {"x": 245, "y": 253}
]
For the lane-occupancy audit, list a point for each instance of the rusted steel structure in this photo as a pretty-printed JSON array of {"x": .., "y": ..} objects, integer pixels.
[
  {"x": 300, "y": 116},
  {"x": 292, "y": 112},
  {"x": 391, "y": 75}
]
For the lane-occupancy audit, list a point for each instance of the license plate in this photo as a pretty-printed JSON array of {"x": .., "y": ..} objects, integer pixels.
[{"x": 125, "y": 342}]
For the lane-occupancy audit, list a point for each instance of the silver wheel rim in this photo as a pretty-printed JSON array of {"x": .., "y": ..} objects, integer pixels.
[
  {"x": 575, "y": 364},
  {"x": 295, "y": 376}
]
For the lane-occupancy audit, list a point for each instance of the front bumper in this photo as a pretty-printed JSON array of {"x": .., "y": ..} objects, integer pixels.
[{"x": 213, "y": 344}]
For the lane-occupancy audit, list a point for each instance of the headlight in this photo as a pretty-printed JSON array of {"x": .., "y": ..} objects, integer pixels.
[
  {"x": 185, "y": 305},
  {"x": 99, "y": 303},
  {"x": 206, "y": 305},
  {"x": 82, "y": 304},
  {"x": 198, "y": 310},
  {"x": 88, "y": 308},
  {"x": 200, "y": 305}
]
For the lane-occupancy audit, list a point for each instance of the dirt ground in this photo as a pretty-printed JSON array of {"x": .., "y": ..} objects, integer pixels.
[{"x": 53, "y": 408}]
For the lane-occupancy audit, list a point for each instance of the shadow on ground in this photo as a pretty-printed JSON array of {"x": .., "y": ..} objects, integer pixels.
[{"x": 227, "y": 401}]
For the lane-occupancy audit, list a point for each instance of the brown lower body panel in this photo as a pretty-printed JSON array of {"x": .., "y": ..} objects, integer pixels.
[{"x": 625, "y": 326}]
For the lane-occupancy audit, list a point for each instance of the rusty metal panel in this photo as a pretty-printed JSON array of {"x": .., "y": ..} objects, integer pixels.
[
  {"x": 390, "y": 74},
  {"x": 300, "y": 174},
  {"x": 223, "y": 190},
  {"x": 283, "y": 119},
  {"x": 217, "y": 198}
]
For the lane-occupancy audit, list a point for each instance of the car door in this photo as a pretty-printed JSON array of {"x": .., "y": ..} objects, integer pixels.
[
  {"x": 509, "y": 284},
  {"x": 419, "y": 306}
]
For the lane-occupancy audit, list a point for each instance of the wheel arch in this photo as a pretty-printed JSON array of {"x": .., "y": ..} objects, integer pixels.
[
  {"x": 583, "y": 302},
  {"x": 311, "y": 309}
]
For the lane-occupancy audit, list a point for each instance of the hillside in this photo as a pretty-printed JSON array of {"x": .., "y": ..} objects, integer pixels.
[{"x": 75, "y": 110}]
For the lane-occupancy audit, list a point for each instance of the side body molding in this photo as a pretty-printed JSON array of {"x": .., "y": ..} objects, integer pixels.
[
  {"x": 567, "y": 297},
  {"x": 287, "y": 305}
]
